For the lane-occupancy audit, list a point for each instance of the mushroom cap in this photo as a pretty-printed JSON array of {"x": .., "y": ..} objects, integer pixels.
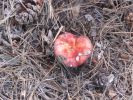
[{"x": 72, "y": 50}]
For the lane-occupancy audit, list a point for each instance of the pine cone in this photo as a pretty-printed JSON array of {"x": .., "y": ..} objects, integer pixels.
[
  {"x": 27, "y": 11},
  {"x": 129, "y": 17}
]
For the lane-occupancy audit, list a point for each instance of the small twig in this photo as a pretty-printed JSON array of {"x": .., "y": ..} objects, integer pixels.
[
  {"x": 60, "y": 29},
  {"x": 132, "y": 77},
  {"x": 122, "y": 32},
  {"x": 50, "y": 9},
  {"x": 5, "y": 19}
]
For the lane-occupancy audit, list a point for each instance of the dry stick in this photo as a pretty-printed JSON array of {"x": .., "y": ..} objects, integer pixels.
[
  {"x": 122, "y": 32},
  {"x": 132, "y": 78},
  {"x": 131, "y": 65},
  {"x": 23, "y": 4},
  {"x": 50, "y": 9},
  {"x": 6, "y": 18},
  {"x": 6, "y": 62},
  {"x": 57, "y": 34}
]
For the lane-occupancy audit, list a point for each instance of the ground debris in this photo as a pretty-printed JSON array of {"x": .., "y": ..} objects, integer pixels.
[{"x": 29, "y": 69}]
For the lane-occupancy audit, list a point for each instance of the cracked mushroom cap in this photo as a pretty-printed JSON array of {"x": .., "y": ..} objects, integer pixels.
[{"x": 72, "y": 50}]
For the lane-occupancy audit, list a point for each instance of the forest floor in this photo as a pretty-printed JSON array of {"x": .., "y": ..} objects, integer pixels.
[{"x": 29, "y": 69}]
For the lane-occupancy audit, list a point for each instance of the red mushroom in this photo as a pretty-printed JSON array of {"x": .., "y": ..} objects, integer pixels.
[{"x": 74, "y": 50}]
